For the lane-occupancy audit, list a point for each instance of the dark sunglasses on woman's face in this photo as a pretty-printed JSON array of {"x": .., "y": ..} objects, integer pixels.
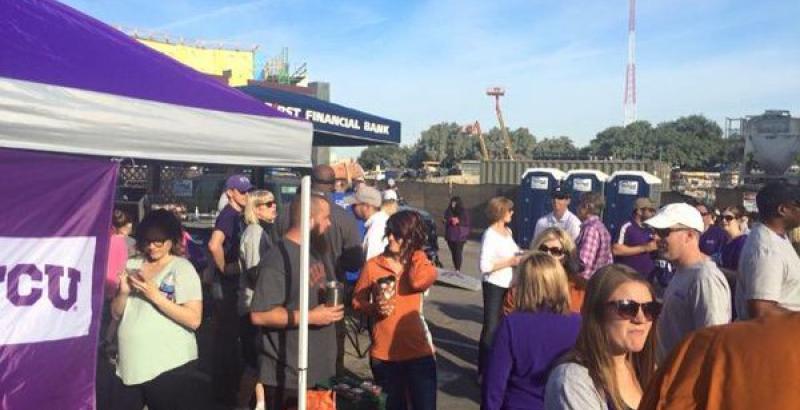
[
  {"x": 554, "y": 251},
  {"x": 269, "y": 204},
  {"x": 155, "y": 242},
  {"x": 629, "y": 309},
  {"x": 728, "y": 218}
]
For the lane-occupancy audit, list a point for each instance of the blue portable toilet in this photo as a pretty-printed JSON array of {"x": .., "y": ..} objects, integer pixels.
[
  {"x": 580, "y": 181},
  {"x": 622, "y": 189},
  {"x": 533, "y": 201}
]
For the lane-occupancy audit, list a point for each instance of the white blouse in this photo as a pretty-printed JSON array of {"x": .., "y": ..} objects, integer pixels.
[{"x": 495, "y": 247}]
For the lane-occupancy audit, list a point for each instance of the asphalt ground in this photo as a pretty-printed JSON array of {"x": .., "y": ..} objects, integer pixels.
[{"x": 454, "y": 318}]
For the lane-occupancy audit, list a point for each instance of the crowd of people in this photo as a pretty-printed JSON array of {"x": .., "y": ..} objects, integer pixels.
[
  {"x": 580, "y": 318},
  {"x": 656, "y": 302}
]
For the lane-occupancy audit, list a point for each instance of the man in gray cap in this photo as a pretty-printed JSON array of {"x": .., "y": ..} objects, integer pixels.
[
  {"x": 769, "y": 269},
  {"x": 367, "y": 203}
]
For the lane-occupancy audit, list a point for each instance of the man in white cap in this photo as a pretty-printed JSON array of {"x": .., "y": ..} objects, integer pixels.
[
  {"x": 698, "y": 295},
  {"x": 367, "y": 203}
]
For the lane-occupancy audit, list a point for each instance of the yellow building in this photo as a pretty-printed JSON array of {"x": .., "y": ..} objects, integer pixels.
[{"x": 207, "y": 59}]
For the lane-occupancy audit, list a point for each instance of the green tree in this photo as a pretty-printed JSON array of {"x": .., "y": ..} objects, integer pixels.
[
  {"x": 387, "y": 156},
  {"x": 555, "y": 147},
  {"x": 522, "y": 143},
  {"x": 693, "y": 142},
  {"x": 446, "y": 143}
]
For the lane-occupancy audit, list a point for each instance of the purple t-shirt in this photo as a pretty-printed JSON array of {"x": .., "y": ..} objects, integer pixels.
[
  {"x": 731, "y": 251},
  {"x": 712, "y": 241},
  {"x": 229, "y": 221},
  {"x": 525, "y": 348},
  {"x": 633, "y": 234}
]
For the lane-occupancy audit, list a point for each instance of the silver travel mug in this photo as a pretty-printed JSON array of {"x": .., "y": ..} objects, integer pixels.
[{"x": 333, "y": 293}]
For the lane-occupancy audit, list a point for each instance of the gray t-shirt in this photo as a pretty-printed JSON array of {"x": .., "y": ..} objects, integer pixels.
[
  {"x": 769, "y": 269},
  {"x": 569, "y": 387},
  {"x": 279, "y": 285},
  {"x": 698, "y": 296}
]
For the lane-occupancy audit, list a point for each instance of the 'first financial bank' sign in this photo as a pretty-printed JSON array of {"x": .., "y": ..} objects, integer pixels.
[{"x": 334, "y": 119}]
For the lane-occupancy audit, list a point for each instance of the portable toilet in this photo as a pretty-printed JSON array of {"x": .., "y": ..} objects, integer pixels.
[
  {"x": 580, "y": 181},
  {"x": 622, "y": 190},
  {"x": 533, "y": 201}
]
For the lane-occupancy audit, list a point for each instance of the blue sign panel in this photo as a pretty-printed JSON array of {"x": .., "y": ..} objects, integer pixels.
[{"x": 334, "y": 125}]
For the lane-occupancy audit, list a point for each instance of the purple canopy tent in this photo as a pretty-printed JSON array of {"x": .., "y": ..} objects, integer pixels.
[
  {"x": 72, "y": 84},
  {"x": 69, "y": 85}
]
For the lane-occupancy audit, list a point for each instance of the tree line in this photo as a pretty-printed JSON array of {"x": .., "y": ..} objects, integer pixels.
[{"x": 691, "y": 142}]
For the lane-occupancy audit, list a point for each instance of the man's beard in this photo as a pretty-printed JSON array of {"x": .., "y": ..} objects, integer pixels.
[{"x": 319, "y": 244}]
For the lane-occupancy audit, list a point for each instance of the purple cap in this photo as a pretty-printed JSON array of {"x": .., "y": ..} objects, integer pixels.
[{"x": 238, "y": 182}]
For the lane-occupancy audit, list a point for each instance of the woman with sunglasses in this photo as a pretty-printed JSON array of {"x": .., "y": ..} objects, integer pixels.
[
  {"x": 390, "y": 290},
  {"x": 159, "y": 304},
  {"x": 529, "y": 340},
  {"x": 614, "y": 356},
  {"x": 558, "y": 243},
  {"x": 259, "y": 235},
  {"x": 732, "y": 222}
]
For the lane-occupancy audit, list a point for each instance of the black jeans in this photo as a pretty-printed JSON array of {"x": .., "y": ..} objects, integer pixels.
[
  {"x": 457, "y": 250},
  {"x": 413, "y": 380},
  {"x": 181, "y": 388},
  {"x": 493, "y": 297}
]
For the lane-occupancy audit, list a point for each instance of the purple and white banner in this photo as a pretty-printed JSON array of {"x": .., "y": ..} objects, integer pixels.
[{"x": 55, "y": 216}]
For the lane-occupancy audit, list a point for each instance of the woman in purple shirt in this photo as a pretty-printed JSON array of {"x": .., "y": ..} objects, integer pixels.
[
  {"x": 529, "y": 341},
  {"x": 732, "y": 220}
]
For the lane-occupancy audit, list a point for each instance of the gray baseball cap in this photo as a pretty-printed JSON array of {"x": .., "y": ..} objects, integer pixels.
[{"x": 366, "y": 195}]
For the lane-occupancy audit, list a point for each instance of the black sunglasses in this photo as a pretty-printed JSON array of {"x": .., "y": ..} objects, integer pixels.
[
  {"x": 728, "y": 217},
  {"x": 269, "y": 204},
  {"x": 629, "y": 309},
  {"x": 157, "y": 242},
  {"x": 554, "y": 251},
  {"x": 663, "y": 233}
]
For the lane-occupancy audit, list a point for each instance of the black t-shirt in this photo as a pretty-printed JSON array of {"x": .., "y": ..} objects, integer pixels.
[
  {"x": 279, "y": 285},
  {"x": 230, "y": 223}
]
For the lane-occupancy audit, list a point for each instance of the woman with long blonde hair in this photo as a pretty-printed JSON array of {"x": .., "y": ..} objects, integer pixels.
[
  {"x": 528, "y": 342},
  {"x": 259, "y": 235},
  {"x": 614, "y": 356}
]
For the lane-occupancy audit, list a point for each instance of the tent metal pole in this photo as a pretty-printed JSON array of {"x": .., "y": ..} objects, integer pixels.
[{"x": 305, "y": 230}]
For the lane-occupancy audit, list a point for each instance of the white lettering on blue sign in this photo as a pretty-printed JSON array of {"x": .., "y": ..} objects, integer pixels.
[
  {"x": 332, "y": 119},
  {"x": 376, "y": 128}
]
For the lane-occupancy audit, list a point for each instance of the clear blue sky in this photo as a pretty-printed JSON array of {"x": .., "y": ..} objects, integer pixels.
[{"x": 561, "y": 61}]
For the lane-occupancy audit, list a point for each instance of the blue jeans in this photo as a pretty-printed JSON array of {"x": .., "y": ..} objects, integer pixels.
[{"x": 409, "y": 380}]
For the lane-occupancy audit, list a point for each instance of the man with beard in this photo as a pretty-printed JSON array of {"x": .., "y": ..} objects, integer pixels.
[{"x": 276, "y": 307}]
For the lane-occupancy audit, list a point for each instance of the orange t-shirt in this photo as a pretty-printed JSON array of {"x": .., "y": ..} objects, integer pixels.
[
  {"x": 403, "y": 335},
  {"x": 743, "y": 365}
]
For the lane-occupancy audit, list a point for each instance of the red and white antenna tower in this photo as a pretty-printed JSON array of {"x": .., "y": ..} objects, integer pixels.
[{"x": 629, "y": 105}]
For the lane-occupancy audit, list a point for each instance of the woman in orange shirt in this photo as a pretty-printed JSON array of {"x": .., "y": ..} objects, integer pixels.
[{"x": 390, "y": 290}]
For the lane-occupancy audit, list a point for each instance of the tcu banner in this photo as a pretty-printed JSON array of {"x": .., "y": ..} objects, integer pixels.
[{"x": 55, "y": 217}]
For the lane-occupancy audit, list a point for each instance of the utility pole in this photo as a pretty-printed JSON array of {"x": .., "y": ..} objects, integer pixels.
[{"x": 498, "y": 92}]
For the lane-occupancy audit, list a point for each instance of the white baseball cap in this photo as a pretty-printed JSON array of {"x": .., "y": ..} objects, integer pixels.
[{"x": 677, "y": 214}]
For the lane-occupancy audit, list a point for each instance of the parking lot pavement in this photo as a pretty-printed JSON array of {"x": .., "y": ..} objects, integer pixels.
[{"x": 454, "y": 317}]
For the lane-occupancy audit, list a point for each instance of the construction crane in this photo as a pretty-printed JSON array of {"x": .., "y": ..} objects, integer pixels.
[
  {"x": 475, "y": 129},
  {"x": 498, "y": 92}
]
